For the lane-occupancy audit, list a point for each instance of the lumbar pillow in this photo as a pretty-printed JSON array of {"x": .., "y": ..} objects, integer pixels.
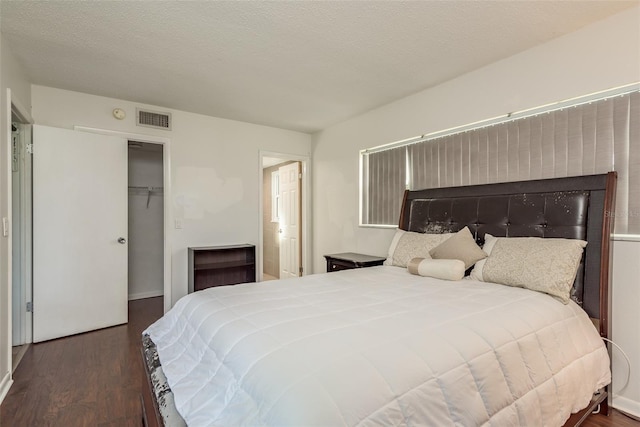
[
  {"x": 407, "y": 245},
  {"x": 460, "y": 246},
  {"x": 545, "y": 265},
  {"x": 446, "y": 269}
]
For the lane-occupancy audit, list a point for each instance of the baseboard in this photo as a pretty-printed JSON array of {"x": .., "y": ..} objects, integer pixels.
[
  {"x": 627, "y": 405},
  {"x": 142, "y": 295},
  {"x": 5, "y": 385}
]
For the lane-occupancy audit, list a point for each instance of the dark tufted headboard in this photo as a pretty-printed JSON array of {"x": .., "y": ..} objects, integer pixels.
[{"x": 575, "y": 207}]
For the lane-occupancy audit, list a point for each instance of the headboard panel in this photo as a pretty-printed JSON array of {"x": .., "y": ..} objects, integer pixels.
[
  {"x": 554, "y": 214},
  {"x": 575, "y": 207}
]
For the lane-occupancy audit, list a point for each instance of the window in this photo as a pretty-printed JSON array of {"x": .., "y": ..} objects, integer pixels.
[{"x": 586, "y": 137}]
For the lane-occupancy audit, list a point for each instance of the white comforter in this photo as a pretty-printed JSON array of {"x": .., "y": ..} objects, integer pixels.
[{"x": 378, "y": 347}]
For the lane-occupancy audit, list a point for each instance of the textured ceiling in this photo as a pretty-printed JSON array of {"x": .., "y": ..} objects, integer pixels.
[{"x": 294, "y": 65}]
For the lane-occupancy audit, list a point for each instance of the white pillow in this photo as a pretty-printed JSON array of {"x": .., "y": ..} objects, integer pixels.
[
  {"x": 392, "y": 247},
  {"x": 446, "y": 269},
  {"x": 545, "y": 265},
  {"x": 476, "y": 273},
  {"x": 407, "y": 245}
]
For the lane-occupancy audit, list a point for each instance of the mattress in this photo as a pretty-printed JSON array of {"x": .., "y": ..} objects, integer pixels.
[{"x": 378, "y": 346}]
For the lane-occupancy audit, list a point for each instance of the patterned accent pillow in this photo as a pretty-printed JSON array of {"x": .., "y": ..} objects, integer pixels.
[
  {"x": 407, "y": 245},
  {"x": 539, "y": 264},
  {"x": 461, "y": 246}
]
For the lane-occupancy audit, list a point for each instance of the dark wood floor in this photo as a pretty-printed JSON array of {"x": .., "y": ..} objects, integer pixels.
[
  {"x": 91, "y": 379},
  {"x": 94, "y": 379},
  {"x": 616, "y": 419}
]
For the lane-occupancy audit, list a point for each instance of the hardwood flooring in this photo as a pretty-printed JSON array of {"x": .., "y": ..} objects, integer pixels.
[
  {"x": 91, "y": 379},
  {"x": 94, "y": 379},
  {"x": 615, "y": 419},
  {"x": 16, "y": 355}
]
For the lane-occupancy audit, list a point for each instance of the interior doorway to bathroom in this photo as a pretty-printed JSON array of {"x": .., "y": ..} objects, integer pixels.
[{"x": 284, "y": 245}]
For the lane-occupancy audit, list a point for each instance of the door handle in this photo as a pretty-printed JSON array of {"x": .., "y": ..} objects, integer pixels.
[{"x": 122, "y": 240}]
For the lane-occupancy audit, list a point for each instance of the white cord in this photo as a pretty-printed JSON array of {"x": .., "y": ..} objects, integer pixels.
[{"x": 626, "y": 383}]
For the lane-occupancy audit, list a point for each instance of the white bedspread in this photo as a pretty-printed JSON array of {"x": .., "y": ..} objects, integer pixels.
[{"x": 378, "y": 347}]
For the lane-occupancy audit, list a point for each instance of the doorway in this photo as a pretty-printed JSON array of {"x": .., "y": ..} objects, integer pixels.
[
  {"x": 145, "y": 220},
  {"x": 166, "y": 193},
  {"x": 22, "y": 232},
  {"x": 284, "y": 245}
]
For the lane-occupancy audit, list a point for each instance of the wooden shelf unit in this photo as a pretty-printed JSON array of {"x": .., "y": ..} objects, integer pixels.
[{"x": 211, "y": 266}]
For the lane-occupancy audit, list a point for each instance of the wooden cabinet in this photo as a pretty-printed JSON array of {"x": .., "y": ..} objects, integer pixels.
[
  {"x": 221, "y": 265},
  {"x": 349, "y": 260}
]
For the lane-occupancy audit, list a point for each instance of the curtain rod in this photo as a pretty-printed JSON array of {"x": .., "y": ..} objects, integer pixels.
[{"x": 509, "y": 117}]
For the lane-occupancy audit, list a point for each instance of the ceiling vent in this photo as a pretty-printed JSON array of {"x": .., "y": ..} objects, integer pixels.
[{"x": 153, "y": 119}]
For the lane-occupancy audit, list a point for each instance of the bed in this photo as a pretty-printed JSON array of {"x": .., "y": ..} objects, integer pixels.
[{"x": 379, "y": 346}]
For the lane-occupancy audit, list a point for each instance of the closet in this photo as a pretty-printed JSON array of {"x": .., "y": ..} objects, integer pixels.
[{"x": 146, "y": 220}]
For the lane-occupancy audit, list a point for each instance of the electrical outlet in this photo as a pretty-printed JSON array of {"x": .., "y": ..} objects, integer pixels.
[{"x": 178, "y": 223}]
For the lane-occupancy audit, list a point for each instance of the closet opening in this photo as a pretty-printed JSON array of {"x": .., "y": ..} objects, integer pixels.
[{"x": 146, "y": 220}]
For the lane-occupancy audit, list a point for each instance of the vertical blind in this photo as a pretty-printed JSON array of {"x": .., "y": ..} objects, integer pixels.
[
  {"x": 384, "y": 179},
  {"x": 584, "y": 139}
]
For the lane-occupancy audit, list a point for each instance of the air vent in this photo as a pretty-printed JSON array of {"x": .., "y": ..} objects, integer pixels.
[{"x": 153, "y": 119}]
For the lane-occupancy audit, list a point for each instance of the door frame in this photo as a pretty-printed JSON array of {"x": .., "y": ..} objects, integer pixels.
[
  {"x": 168, "y": 212},
  {"x": 23, "y": 331},
  {"x": 305, "y": 206},
  {"x": 26, "y": 327}
]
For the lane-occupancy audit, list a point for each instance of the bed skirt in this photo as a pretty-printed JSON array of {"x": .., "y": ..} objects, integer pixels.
[{"x": 162, "y": 393}]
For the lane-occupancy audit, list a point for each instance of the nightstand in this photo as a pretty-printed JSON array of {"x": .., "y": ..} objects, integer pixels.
[{"x": 349, "y": 260}]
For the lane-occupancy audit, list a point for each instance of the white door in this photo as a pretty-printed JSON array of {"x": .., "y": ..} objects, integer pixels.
[
  {"x": 79, "y": 232},
  {"x": 290, "y": 229}
]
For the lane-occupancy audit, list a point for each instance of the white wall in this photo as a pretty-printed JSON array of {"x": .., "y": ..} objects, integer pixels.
[
  {"x": 11, "y": 77},
  {"x": 146, "y": 223},
  {"x": 215, "y": 167},
  {"x": 626, "y": 324},
  {"x": 598, "y": 57}
]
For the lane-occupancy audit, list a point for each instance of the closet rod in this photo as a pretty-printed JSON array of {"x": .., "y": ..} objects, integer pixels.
[
  {"x": 149, "y": 190},
  {"x": 134, "y": 187}
]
